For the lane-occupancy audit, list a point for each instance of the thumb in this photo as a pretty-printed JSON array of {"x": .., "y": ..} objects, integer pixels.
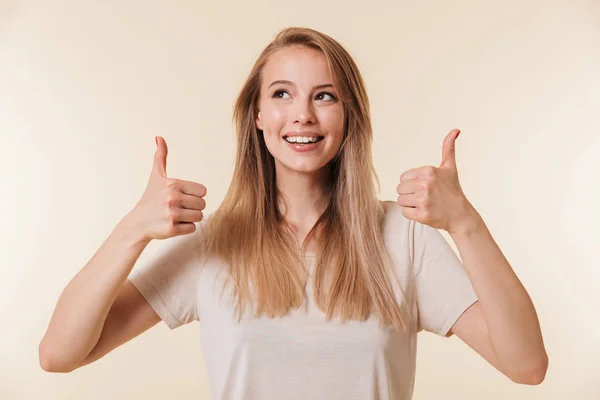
[
  {"x": 159, "y": 168},
  {"x": 448, "y": 150}
]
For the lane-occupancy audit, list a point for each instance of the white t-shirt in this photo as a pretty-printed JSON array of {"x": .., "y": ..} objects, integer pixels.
[{"x": 302, "y": 356}]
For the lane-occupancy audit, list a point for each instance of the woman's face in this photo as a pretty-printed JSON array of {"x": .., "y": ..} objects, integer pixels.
[{"x": 298, "y": 103}]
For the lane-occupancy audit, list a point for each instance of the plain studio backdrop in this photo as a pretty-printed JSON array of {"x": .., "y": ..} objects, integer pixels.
[{"x": 85, "y": 86}]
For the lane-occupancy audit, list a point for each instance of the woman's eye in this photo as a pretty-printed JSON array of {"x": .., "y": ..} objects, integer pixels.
[
  {"x": 277, "y": 94},
  {"x": 326, "y": 94}
]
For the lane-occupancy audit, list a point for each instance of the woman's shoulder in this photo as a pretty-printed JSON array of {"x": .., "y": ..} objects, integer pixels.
[
  {"x": 398, "y": 232},
  {"x": 394, "y": 220},
  {"x": 397, "y": 226}
]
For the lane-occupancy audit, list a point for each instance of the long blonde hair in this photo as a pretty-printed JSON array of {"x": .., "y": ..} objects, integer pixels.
[{"x": 247, "y": 231}]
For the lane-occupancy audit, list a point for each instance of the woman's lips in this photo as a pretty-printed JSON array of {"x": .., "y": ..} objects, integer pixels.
[{"x": 301, "y": 148}]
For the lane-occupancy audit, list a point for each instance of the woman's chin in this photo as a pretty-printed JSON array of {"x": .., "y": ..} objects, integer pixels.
[{"x": 304, "y": 168}]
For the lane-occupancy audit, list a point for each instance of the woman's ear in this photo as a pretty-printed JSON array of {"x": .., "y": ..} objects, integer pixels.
[{"x": 259, "y": 122}]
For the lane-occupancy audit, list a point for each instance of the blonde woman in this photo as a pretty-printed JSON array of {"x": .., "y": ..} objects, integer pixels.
[{"x": 306, "y": 285}]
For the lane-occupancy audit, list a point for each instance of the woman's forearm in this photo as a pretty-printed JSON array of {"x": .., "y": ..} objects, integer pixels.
[
  {"x": 83, "y": 306},
  {"x": 510, "y": 315}
]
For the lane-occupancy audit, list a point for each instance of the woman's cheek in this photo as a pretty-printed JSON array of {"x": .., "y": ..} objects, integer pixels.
[
  {"x": 333, "y": 120},
  {"x": 279, "y": 115}
]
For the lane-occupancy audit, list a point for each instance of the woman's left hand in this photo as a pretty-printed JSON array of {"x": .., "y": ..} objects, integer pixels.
[{"x": 433, "y": 196}]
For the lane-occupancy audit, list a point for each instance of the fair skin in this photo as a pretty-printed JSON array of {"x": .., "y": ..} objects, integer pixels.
[
  {"x": 502, "y": 328},
  {"x": 100, "y": 309},
  {"x": 297, "y": 96}
]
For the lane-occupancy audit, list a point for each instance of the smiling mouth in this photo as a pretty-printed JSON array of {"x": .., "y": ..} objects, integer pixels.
[{"x": 301, "y": 141}]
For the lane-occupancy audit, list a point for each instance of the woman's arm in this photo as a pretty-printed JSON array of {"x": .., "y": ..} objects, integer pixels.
[
  {"x": 98, "y": 306},
  {"x": 82, "y": 309},
  {"x": 504, "y": 324}
]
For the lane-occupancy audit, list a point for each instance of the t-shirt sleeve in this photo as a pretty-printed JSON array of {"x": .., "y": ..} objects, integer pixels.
[
  {"x": 443, "y": 289},
  {"x": 168, "y": 278}
]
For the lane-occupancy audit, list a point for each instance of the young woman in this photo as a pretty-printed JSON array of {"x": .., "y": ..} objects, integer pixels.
[{"x": 306, "y": 285}]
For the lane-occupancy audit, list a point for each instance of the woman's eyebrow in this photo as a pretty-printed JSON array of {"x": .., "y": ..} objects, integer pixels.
[{"x": 284, "y": 82}]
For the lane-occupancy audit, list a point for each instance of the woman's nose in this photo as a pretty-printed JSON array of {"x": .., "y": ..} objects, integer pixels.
[{"x": 304, "y": 113}]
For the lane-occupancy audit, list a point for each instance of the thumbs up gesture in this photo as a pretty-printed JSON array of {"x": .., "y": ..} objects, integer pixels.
[
  {"x": 169, "y": 207},
  {"x": 433, "y": 196}
]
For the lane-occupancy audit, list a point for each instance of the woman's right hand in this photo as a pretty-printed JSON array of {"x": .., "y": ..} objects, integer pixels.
[{"x": 169, "y": 207}]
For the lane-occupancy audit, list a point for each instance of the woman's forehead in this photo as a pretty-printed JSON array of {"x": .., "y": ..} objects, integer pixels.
[{"x": 299, "y": 65}]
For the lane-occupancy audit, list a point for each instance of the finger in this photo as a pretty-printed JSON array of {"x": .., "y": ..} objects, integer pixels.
[
  {"x": 193, "y": 188},
  {"x": 407, "y": 200},
  {"x": 185, "y": 215},
  {"x": 193, "y": 202},
  {"x": 411, "y": 213},
  {"x": 448, "y": 149},
  {"x": 410, "y": 174},
  {"x": 408, "y": 187},
  {"x": 184, "y": 228},
  {"x": 159, "y": 168}
]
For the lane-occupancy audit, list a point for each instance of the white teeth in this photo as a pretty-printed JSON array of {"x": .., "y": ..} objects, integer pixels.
[{"x": 300, "y": 139}]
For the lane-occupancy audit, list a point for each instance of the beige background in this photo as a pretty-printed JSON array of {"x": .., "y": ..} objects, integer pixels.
[{"x": 85, "y": 86}]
